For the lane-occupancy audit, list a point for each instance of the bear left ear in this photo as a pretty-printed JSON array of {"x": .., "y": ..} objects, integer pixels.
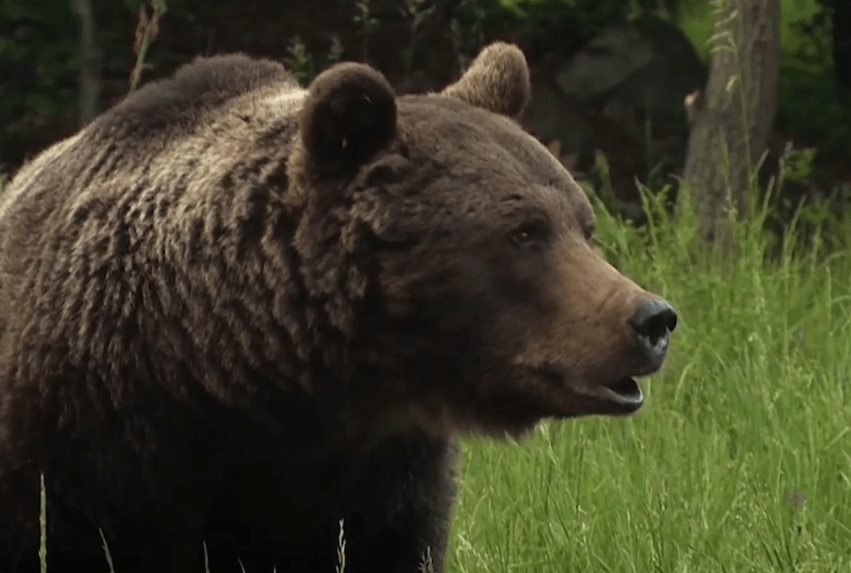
[
  {"x": 498, "y": 81},
  {"x": 349, "y": 114}
]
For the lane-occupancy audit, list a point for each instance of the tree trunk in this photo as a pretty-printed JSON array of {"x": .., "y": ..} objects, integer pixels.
[
  {"x": 732, "y": 121},
  {"x": 842, "y": 47},
  {"x": 90, "y": 62}
]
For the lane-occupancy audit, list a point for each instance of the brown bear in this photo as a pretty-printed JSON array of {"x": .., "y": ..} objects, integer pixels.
[{"x": 234, "y": 312}]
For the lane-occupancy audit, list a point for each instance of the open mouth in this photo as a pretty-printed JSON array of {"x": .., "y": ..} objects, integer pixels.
[
  {"x": 624, "y": 392},
  {"x": 617, "y": 397}
]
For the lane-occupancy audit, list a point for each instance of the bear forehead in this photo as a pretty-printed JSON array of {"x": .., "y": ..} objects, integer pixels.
[
  {"x": 454, "y": 131},
  {"x": 488, "y": 151}
]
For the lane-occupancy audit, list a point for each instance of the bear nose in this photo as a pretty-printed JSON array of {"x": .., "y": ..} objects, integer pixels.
[{"x": 652, "y": 323}]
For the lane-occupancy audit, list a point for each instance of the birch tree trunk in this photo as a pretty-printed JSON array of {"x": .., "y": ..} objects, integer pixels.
[{"x": 733, "y": 119}]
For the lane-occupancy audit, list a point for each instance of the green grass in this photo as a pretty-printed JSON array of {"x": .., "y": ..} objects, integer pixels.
[{"x": 740, "y": 460}]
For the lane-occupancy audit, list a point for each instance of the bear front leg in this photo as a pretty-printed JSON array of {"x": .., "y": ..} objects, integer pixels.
[
  {"x": 394, "y": 498},
  {"x": 168, "y": 545},
  {"x": 398, "y": 500}
]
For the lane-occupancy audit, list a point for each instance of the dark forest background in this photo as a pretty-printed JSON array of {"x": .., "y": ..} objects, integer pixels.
[{"x": 61, "y": 61}]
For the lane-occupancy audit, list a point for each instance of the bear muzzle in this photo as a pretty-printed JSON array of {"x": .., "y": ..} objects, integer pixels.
[{"x": 651, "y": 326}]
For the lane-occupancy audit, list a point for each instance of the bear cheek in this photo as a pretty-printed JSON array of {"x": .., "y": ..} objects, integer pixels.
[{"x": 446, "y": 290}]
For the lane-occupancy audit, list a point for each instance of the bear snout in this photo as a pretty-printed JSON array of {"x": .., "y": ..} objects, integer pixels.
[{"x": 652, "y": 323}]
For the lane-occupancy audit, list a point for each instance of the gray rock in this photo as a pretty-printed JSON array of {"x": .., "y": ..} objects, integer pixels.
[{"x": 647, "y": 65}]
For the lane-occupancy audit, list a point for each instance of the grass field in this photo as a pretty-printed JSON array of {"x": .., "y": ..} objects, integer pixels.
[{"x": 741, "y": 459}]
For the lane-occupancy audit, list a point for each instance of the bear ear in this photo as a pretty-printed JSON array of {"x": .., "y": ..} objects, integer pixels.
[
  {"x": 497, "y": 80},
  {"x": 349, "y": 114}
]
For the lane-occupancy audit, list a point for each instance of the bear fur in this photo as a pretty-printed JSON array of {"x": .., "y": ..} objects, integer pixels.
[{"x": 234, "y": 312}]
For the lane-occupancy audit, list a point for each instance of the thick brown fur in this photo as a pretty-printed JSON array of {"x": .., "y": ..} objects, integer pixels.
[{"x": 236, "y": 311}]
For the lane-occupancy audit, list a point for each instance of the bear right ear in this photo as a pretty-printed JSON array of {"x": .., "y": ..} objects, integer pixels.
[
  {"x": 348, "y": 115},
  {"x": 497, "y": 80}
]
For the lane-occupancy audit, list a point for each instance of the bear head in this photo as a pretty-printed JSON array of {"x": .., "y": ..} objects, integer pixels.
[{"x": 474, "y": 295}]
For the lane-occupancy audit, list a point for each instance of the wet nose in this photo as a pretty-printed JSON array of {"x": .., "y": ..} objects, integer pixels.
[{"x": 652, "y": 323}]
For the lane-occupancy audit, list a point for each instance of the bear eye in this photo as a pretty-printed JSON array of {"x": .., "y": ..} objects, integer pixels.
[
  {"x": 522, "y": 238},
  {"x": 528, "y": 235}
]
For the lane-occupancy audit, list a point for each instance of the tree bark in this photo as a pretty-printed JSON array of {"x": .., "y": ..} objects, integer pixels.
[
  {"x": 733, "y": 119},
  {"x": 842, "y": 47},
  {"x": 91, "y": 62}
]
